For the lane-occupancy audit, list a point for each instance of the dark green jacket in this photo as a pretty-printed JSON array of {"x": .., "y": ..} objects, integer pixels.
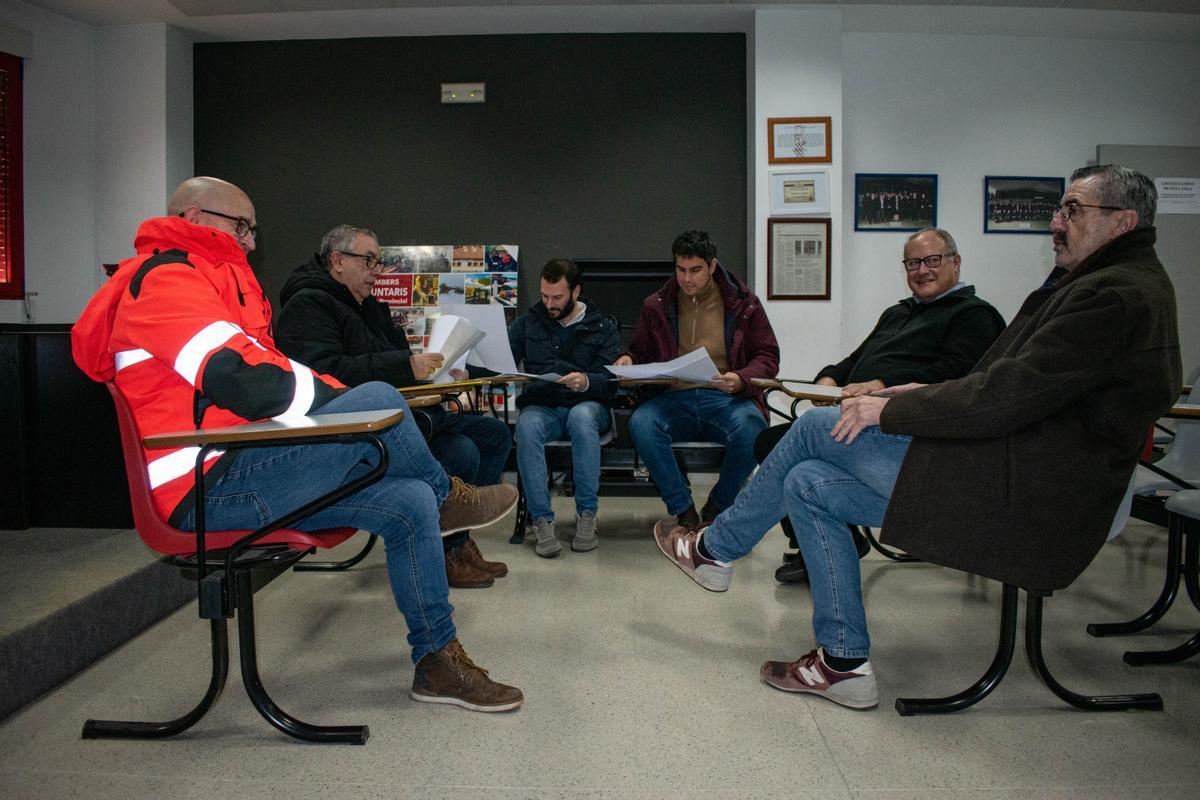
[
  {"x": 1016, "y": 470},
  {"x": 922, "y": 342}
]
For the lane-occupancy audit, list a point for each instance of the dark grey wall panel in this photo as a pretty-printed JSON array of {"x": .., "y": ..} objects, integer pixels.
[{"x": 599, "y": 146}]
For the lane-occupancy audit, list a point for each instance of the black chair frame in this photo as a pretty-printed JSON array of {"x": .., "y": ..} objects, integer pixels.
[
  {"x": 1183, "y": 563},
  {"x": 226, "y": 583},
  {"x": 1037, "y": 662}
]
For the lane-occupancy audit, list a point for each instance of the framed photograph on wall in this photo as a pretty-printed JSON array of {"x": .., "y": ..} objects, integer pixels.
[
  {"x": 894, "y": 201},
  {"x": 798, "y": 259},
  {"x": 799, "y": 192},
  {"x": 1020, "y": 205},
  {"x": 799, "y": 140}
]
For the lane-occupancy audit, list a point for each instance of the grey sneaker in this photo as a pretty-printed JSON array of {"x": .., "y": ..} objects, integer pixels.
[
  {"x": 811, "y": 675},
  {"x": 547, "y": 541},
  {"x": 678, "y": 544},
  {"x": 585, "y": 532}
]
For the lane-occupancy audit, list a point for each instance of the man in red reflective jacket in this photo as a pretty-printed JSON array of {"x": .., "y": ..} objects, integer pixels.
[{"x": 183, "y": 329}]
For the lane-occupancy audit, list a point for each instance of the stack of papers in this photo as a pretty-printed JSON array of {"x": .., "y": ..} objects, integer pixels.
[{"x": 696, "y": 367}]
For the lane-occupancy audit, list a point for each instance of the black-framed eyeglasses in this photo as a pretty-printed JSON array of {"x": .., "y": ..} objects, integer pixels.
[
  {"x": 933, "y": 261},
  {"x": 1068, "y": 209},
  {"x": 370, "y": 260},
  {"x": 242, "y": 226}
]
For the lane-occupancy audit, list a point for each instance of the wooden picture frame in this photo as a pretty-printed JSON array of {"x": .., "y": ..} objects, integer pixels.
[
  {"x": 799, "y": 140},
  {"x": 798, "y": 258}
]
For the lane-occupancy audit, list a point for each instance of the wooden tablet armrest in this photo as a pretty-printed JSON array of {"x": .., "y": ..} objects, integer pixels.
[
  {"x": 273, "y": 430},
  {"x": 423, "y": 400},
  {"x": 454, "y": 387},
  {"x": 1184, "y": 412}
]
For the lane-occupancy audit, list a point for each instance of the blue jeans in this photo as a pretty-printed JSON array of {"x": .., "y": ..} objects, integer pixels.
[
  {"x": 582, "y": 424},
  {"x": 473, "y": 447},
  {"x": 401, "y": 507},
  {"x": 696, "y": 415},
  {"x": 824, "y": 485}
]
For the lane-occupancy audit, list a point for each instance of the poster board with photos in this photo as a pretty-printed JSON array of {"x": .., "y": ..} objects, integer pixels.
[{"x": 419, "y": 283}]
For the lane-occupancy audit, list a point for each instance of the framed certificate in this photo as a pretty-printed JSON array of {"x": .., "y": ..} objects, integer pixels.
[
  {"x": 798, "y": 259},
  {"x": 799, "y": 140},
  {"x": 799, "y": 192}
]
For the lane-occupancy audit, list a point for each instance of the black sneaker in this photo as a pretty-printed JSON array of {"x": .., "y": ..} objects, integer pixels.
[{"x": 793, "y": 570}]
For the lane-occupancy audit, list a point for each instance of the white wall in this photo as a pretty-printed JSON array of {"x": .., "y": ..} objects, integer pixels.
[
  {"x": 965, "y": 106},
  {"x": 59, "y": 160},
  {"x": 798, "y": 73}
]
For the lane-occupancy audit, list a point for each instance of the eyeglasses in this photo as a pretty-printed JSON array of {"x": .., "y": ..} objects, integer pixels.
[
  {"x": 933, "y": 261},
  {"x": 370, "y": 260},
  {"x": 242, "y": 226},
  {"x": 1068, "y": 209}
]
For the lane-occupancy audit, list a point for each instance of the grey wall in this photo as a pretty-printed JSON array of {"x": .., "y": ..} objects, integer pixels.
[{"x": 602, "y": 146}]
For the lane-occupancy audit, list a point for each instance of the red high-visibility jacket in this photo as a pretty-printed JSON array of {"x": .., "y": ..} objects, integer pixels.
[{"x": 183, "y": 328}]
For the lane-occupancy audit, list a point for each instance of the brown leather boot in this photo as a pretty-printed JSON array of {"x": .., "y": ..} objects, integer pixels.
[
  {"x": 462, "y": 573},
  {"x": 497, "y": 569},
  {"x": 468, "y": 507},
  {"x": 450, "y": 676}
]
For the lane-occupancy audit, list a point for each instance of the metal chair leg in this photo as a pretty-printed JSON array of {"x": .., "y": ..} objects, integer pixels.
[
  {"x": 1139, "y": 658},
  {"x": 344, "y": 734},
  {"x": 336, "y": 566},
  {"x": 887, "y": 552},
  {"x": 990, "y": 680},
  {"x": 522, "y": 516},
  {"x": 114, "y": 729},
  {"x": 1165, "y": 598},
  {"x": 1033, "y": 651}
]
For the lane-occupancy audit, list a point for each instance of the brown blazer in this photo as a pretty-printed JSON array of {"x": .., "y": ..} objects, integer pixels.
[{"x": 1016, "y": 470}]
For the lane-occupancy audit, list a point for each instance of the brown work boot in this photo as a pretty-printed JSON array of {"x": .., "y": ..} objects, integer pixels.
[
  {"x": 450, "y": 676},
  {"x": 468, "y": 507},
  {"x": 497, "y": 569},
  {"x": 463, "y": 573}
]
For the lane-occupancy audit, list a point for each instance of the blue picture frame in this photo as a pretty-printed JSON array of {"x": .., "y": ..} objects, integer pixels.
[
  {"x": 894, "y": 202},
  {"x": 1020, "y": 204}
]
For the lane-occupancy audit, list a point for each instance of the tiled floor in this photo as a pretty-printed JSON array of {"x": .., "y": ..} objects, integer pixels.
[{"x": 639, "y": 684}]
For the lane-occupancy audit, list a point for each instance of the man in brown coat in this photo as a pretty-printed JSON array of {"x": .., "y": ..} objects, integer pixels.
[{"x": 1013, "y": 472}]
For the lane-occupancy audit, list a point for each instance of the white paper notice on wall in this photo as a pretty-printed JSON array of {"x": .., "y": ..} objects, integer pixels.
[{"x": 1178, "y": 195}]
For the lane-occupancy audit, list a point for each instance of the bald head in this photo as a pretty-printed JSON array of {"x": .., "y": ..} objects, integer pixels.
[{"x": 218, "y": 204}]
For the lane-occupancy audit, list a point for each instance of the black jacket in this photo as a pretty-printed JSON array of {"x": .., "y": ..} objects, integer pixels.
[
  {"x": 591, "y": 344},
  {"x": 922, "y": 342},
  {"x": 323, "y": 327}
]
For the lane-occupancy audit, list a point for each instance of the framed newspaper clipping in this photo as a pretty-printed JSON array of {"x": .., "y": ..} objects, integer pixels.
[{"x": 798, "y": 260}]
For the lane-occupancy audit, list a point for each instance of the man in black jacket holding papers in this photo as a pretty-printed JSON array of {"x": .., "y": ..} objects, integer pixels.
[
  {"x": 331, "y": 323},
  {"x": 566, "y": 335}
]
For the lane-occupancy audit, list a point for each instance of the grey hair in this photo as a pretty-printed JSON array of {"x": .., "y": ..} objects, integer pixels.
[
  {"x": 1125, "y": 188},
  {"x": 341, "y": 238},
  {"x": 944, "y": 235}
]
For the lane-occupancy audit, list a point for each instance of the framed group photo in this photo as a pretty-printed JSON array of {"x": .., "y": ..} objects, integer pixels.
[
  {"x": 799, "y": 192},
  {"x": 798, "y": 259},
  {"x": 894, "y": 201},
  {"x": 1020, "y": 205},
  {"x": 799, "y": 140}
]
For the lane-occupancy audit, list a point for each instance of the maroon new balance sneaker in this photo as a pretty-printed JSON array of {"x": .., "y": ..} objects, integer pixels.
[
  {"x": 811, "y": 675},
  {"x": 678, "y": 544}
]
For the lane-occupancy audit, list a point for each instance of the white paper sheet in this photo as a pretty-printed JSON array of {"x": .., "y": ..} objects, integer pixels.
[
  {"x": 452, "y": 336},
  {"x": 492, "y": 351},
  {"x": 695, "y": 367}
]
